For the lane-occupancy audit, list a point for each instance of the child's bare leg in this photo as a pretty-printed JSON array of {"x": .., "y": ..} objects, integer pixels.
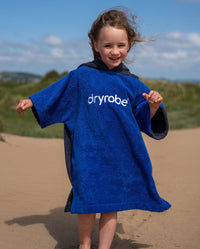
[
  {"x": 85, "y": 224},
  {"x": 107, "y": 227}
]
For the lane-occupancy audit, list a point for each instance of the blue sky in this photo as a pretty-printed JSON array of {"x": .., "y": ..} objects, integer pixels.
[{"x": 38, "y": 36}]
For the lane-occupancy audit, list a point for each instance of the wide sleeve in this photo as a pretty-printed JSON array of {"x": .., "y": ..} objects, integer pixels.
[
  {"x": 57, "y": 102},
  {"x": 157, "y": 127}
]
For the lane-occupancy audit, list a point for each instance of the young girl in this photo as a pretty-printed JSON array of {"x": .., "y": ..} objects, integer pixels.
[{"x": 104, "y": 107}]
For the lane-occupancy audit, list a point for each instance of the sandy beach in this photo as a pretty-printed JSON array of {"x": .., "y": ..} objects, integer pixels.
[{"x": 34, "y": 188}]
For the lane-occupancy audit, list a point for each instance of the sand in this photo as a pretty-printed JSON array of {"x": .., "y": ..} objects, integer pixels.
[{"x": 34, "y": 188}]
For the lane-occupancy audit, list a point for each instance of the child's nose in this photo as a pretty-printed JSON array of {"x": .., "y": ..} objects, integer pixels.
[{"x": 115, "y": 51}]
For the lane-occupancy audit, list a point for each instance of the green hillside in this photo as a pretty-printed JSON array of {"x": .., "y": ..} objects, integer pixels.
[
  {"x": 182, "y": 101},
  {"x": 19, "y": 77}
]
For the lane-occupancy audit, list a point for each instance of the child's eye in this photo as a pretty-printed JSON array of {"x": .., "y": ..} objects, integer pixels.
[
  {"x": 107, "y": 46},
  {"x": 121, "y": 45}
]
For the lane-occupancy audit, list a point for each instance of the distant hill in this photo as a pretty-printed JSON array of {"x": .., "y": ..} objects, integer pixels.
[{"x": 19, "y": 77}]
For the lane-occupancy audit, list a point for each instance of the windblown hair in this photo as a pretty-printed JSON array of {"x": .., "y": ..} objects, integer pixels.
[{"x": 117, "y": 19}]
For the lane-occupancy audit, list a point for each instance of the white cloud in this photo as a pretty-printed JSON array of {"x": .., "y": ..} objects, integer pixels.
[
  {"x": 171, "y": 52},
  {"x": 57, "y": 53},
  {"x": 5, "y": 58},
  {"x": 53, "y": 40},
  {"x": 43, "y": 55},
  {"x": 173, "y": 46},
  {"x": 174, "y": 56},
  {"x": 194, "y": 38},
  {"x": 174, "y": 35}
]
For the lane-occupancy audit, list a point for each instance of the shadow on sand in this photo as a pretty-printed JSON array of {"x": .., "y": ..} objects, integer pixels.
[{"x": 63, "y": 228}]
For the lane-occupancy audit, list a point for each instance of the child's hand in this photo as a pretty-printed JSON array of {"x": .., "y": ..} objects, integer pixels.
[
  {"x": 154, "y": 99},
  {"x": 23, "y": 105}
]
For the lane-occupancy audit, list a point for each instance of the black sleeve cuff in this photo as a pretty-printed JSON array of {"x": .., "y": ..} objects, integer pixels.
[
  {"x": 36, "y": 114},
  {"x": 159, "y": 124}
]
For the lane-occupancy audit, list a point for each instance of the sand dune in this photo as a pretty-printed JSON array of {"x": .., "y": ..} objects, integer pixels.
[{"x": 34, "y": 188}]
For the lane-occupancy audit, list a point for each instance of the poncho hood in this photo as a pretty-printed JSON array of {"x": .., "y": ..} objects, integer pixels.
[{"x": 100, "y": 65}]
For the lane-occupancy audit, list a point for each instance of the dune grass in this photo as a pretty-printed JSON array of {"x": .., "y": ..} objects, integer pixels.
[{"x": 182, "y": 101}]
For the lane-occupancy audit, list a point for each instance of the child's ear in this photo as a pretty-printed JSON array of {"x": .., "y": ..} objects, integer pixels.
[{"x": 95, "y": 46}]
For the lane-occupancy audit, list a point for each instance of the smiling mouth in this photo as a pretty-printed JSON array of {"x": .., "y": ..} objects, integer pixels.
[{"x": 115, "y": 59}]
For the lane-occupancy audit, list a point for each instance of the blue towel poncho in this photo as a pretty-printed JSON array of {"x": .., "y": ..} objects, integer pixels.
[{"x": 104, "y": 113}]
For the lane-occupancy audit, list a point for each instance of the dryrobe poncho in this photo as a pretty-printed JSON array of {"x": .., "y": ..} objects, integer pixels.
[{"x": 104, "y": 111}]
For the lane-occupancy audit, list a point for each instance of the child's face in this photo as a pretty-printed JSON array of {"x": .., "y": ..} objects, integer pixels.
[{"x": 112, "y": 45}]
